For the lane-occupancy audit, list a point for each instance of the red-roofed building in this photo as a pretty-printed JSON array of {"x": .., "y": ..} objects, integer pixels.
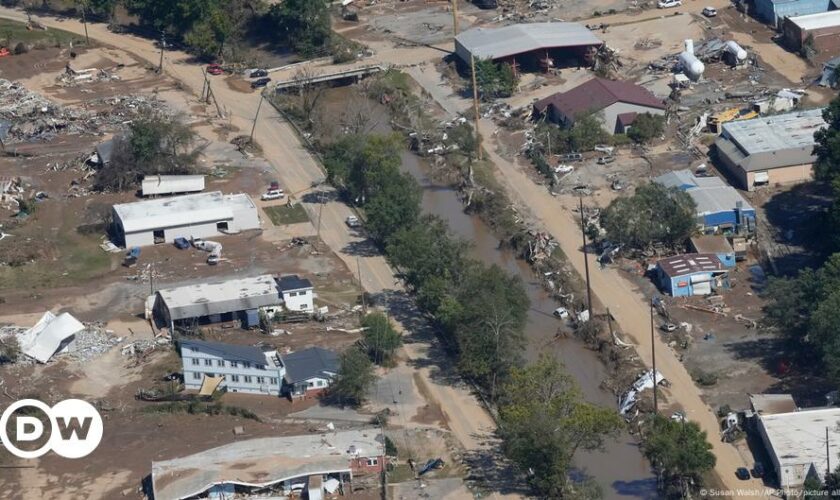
[{"x": 615, "y": 103}]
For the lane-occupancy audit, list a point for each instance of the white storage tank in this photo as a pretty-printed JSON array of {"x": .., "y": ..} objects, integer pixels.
[
  {"x": 739, "y": 54},
  {"x": 691, "y": 66}
]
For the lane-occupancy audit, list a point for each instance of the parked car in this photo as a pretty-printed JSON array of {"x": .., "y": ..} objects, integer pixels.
[
  {"x": 215, "y": 69},
  {"x": 709, "y": 11},
  {"x": 212, "y": 260},
  {"x": 572, "y": 157},
  {"x": 606, "y": 160},
  {"x": 353, "y": 221},
  {"x": 273, "y": 194},
  {"x": 258, "y": 73},
  {"x": 667, "y": 4},
  {"x": 603, "y": 148},
  {"x": 561, "y": 312},
  {"x": 182, "y": 243},
  {"x": 563, "y": 169},
  {"x": 617, "y": 185},
  {"x": 742, "y": 473},
  {"x": 262, "y": 82},
  {"x": 668, "y": 327},
  {"x": 758, "y": 470}
]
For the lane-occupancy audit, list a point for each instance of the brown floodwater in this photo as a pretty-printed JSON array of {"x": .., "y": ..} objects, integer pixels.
[{"x": 621, "y": 470}]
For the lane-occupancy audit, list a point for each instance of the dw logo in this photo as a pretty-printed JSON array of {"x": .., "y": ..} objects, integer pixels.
[{"x": 75, "y": 428}]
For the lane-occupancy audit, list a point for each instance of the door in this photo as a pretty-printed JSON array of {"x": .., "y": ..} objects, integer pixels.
[{"x": 704, "y": 288}]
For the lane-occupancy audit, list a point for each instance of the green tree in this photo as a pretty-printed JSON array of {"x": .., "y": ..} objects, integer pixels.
[
  {"x": 544, "y": 421},
  {"x": 488, "y": 323},
  {"x": 654, "y": 214},
  {"x": 303, "y": 24},
  {"x": 827, "y": 145},
  {"x": 156, "y": 143},
  {"x": 381, "y": 338},
  {"x": 646, "y": 127},
  {"x": 586, "y": 133},
  {"x": 426, "y": 251},
  {"x": 354, "y": 379},
  {"x": 361, "y": 165},
  {"x": 396, "y": 205},
  {"x": 494, "y": 80},
  {"x": 9, "y": 350},
  {"x": 680, "y": 453},
  {"x": 463, "y": 137}
]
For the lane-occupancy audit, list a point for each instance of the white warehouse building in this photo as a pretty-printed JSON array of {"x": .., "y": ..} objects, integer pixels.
[{"x": 199, "y": 215}]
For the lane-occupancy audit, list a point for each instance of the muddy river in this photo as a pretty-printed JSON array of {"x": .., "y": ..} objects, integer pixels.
[{"x": 620, "y": 470}]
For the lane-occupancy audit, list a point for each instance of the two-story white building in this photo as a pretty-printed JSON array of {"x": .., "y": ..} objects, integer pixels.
[
  {"x": 244, "y": 368},
  {"x": 297, "y": 293}
]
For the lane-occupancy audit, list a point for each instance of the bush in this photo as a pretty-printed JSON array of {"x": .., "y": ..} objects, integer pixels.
[
  {"x": 646, "y": 127},
  {"x": 704, "y": 378},
  {"x": 21, "y": 48}
]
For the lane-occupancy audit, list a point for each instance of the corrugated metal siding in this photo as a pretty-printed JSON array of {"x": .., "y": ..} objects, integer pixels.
[{"x": 775, "y": 12}]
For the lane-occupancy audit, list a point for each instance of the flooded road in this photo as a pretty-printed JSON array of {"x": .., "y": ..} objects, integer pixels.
[{"x": 621, "y": 470}]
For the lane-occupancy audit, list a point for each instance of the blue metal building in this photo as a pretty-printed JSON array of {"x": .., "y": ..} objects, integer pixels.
[
  {"x": 691, "y": 274},
  {"x": 720, "y": 208},
  {"x": 775, "y": 11}
]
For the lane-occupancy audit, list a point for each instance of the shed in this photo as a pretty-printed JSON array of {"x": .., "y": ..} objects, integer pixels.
[
  {"x": 715, "y": 244},
  {"x": 691, "y": 274},
  {"x": 171, "y": 184},
  {"x": 538, "y": 45},
  {"x": 50, "y": 335}
]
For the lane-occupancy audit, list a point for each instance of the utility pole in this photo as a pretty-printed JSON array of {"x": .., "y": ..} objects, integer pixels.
[
  {"x": 455, "y": 17},
  {"x": 609, "y": 322},
  {"x": 162, "y": 45},
  {"x": 84, "y": 21},
  {"x": 320, "y": 211},
  {"x": 548, "y": 138},
  {"x": 478, "y": 153},
  {"x": 359, "y": 271},
  {"x": 254, "y": 127},
  {"x": 586, "y": 260},
  {"x": 653, "y": 356},
  {"x": 827, "y": 456}
]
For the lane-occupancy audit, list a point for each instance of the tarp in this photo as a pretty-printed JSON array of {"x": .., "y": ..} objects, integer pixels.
[
  {"x": 50, "y": 335},
  {"x": 209, "y": 385}
]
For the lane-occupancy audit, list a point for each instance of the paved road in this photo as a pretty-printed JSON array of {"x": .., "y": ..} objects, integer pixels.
[{"x": 298, "y": 171}]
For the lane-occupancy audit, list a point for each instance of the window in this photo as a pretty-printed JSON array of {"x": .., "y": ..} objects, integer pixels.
[
  {"x": 195, "y": 361},
  {"x": 247, "y": 379},
  {"x": 233, "y": 364},
  {"x": 260, "y": 380},
  {"x": 319, "y": 383},
  {"x": 193, "y": 348},
  {"x": 311, "y": 384},
  {"x": 273, "y": 380},
  {"x": 234, "y": 378},
  {"x": 196, "y": 375},
  {"x": 246, "y": 364},
  {"x": 261, "y": 367},
  {"x": 208, "y": 362},
  {"x": 372, "y": 461},
  {"x": 220, "y": 362}
]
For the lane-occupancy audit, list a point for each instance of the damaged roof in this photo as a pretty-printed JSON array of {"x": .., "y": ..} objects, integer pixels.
[
  {"x": 692, "y": 263},
  {"x": 49, "y": 335},
  {"x": 263, "y": 462},
  {"x": 596, "y": 94},
  {"x": 495, "y": 43}
]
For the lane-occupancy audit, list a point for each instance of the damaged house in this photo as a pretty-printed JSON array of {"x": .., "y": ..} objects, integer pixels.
[
  {"x": 691, "y": 274},
  {"x": 311, "y": 465}
]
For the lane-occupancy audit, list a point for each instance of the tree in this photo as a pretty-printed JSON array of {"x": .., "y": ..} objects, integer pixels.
[
  {"x": 394, "y": 206},
  {"x": 827, "y": 145},
  {"x": 360, "y": 166},
  {"x": 303, "y": 24},
  {"x": 646, "y": 127},
  {"x": 156, "y": 143},
  {"x": 494, "y": 80},
  {"x": 655, "y": 214},
  {"x": 426, "y": 251},
  {"x": 488, "y": 323},
  {"x": 680, "y": 453},
  {"x": 381, "y": 338},
  {"x": 586, "y": 133},
  {"x": 354, "y": 379},
  {"x": 544, "y": 421}
]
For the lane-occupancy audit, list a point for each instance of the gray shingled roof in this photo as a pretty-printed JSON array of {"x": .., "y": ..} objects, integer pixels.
[
  {"x": 293, "y": 282},
  {"x": 229, "y": 351},
  {"x": 309, "y": 363},
  {"x": 494, "y": 43}
]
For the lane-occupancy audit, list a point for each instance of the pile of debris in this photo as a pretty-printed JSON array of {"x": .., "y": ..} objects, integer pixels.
[
  {"x": 91, "y": 343},
  {"x": 72, "y": 77}
]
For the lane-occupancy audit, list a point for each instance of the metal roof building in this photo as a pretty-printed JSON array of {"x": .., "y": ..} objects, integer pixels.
[
  {"x": 521, "y": 43},
  {"x": 774, "y": 149},
  {"x": 796, "y": 443},
  {"x": 775, "y": 11},
  {"x": 719, "y": 207},
  {"x": 199, "y": 215},
  {"x": 691, "y": 274},
  {"x": 274, "y": 462},
  {"x": 171, "y": 184},
  {"x": 215, "y": 301}
]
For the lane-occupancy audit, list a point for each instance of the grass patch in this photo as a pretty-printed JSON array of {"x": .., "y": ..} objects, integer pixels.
[
  {"x": 199, "y": 408},
  {"x": 14, "y": 32},
  {"x": 281, "y": 215}
]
